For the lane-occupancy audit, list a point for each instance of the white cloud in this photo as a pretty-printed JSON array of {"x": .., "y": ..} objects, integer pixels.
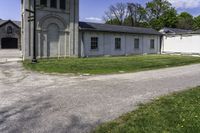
[
  {"x": 94, "y": 19},
  {"x": 186, "y": 4}
]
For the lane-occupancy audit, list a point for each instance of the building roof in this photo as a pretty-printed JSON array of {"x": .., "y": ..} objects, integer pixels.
[
  {"x": 175, "y": 31},
  {"x": 197, "y": 32},
  {"x": 88, "y": 26},
  {"x": 3, "y": 22},
  {"x": 18, "y": 23}
]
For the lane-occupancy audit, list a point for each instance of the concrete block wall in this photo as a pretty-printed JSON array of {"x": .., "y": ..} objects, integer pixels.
[{"x": 106, "y": 44}]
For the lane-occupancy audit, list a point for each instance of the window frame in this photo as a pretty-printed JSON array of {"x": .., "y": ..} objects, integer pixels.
[
  {"x": 63, "y": 5},
  {"x": 43, "y": 3},
  {"x": 94, "y": 43},
  {"x": 53, "y": 5},
  {"x": 9, "y": 30},
  {"x": 118, "y": 43},
  {"x": 137, "y": 44},
  {"x": 152, "y": 44}
]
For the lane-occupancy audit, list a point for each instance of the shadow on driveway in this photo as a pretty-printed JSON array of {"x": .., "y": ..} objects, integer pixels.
[{"x": 32, "y": 116}]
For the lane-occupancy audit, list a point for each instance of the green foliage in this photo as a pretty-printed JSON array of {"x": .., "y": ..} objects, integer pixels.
[
  {"x": 156, "y": 23},
  {"x": 113, "y": 22},
  {"x": 128, "y": 21},
  {"x": 185, "y": 21},
  {"x": 196, "y": 23},
  {"x": 169, "y": 18},
  {"x": 157, "y": 14},
  {"x": 108, "y": 65},
  {"x": 156, "y": 8},
  {"x": 177, "y": 113}
]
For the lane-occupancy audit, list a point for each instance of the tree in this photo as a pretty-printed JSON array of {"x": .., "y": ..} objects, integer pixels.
[
  {"x": 157, "y": 8},
  {"x": 196, "y": 25},
  {"x": 185, "y": 21},
  {"x": 113, "y": 21},
  {"x": 136, "y": 13},
  {"x": 156, "y": 24},
  {"x": 116, "y": 12},
  {"x": 128, "y": 21},
  {"x": 159, "y": 14},
  {"x": 169, "y": 18}
]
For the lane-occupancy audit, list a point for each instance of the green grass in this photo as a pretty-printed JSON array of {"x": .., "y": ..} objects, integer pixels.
[
  {"x": 109, "y": 65},
  {"x": 177, "y": 113}
]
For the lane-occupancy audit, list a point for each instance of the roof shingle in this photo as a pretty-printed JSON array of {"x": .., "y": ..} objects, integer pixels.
[
  {"x": 88, "y": 26},
  {"x": 18, "y": 23},
  {"x": 175, "y": 31}
]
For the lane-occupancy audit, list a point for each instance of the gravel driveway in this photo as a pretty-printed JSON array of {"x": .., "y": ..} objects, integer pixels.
[
  {"x": 39, "y": 103},
  {"x": 10, "y": 55}
]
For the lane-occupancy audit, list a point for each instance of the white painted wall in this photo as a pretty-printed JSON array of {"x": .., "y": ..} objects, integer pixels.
[
  {"x": 181, "y": 44},
  {"x": 107, "y": 44}
]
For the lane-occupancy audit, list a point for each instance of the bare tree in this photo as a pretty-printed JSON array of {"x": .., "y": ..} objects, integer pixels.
[
  {"x": 137, "y": 13},
  {"x": 117, "y": 12},
  {"x": 108, "y": 16}
]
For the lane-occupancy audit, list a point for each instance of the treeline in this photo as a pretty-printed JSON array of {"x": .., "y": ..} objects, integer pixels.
[{"x": 156, "y": 14}]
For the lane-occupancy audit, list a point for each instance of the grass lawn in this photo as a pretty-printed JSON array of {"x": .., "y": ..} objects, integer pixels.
[
  {"x": 109, "y": 65},
  {"x": 177, "y": 113}
]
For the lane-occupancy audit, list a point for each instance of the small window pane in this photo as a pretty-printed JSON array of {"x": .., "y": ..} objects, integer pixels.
[
  {"x": 117, "y": 43},
  {"x": 63, "y": 4},
  {"x": 152, "y": 44},
  {"x": 136, "y": 43},
  {"x": 9, "y": 30},
  {"x": 43, "y": 3},
  {"x": 53, "y": 4},
  {"x": 94, "y": 43}
]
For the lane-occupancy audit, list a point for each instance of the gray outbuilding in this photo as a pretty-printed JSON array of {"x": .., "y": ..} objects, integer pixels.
[
  {"x": 10, "y": 34},
  {"x": 111, "y": 40}
]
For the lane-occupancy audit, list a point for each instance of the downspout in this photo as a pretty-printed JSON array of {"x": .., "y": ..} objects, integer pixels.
[
  {"x": 74, "y": 28},
  {"x": 161, "y": 44},
  {"x": 143, "y": 44},
  {"x": 83, "y": 45}
]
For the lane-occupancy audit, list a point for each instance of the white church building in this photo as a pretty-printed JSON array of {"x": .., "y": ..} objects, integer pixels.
[{"x": 60, "y": 34}]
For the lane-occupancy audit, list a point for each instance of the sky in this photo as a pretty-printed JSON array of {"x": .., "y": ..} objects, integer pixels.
[{"x": 93, "y": 10}]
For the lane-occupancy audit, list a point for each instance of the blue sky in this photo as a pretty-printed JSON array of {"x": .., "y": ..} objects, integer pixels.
[{"x": 93, "y": 10}]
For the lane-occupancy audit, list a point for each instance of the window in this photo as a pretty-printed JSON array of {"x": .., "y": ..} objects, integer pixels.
[
  {"x": 43, "y": 3},
  {"x": 53, "y": 3},
  {"x": 117, "y": 43},
  {"x": 94, "y": 43},
  {"x": 152, "y": 44},
  {"x": 136, "y": 44},
  {"x": 9, "y": 30},
  {"x": 63, "y": 4}
]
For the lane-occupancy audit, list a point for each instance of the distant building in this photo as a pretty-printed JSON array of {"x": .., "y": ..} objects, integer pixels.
[
  {"x": 180, "y": 41},
  {"x": 60, "y": 34},
  {"x": 10, "y": 34}
]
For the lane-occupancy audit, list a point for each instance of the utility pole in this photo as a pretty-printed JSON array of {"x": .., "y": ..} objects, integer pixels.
[{"x": 32, "y": 18}]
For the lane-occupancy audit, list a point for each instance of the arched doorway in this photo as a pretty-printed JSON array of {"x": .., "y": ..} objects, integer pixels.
[
  {"x": 9, "y": 43},
  {"x": 52, "y": 40}
]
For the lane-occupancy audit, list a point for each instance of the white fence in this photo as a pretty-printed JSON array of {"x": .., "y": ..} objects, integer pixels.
[{"x": 185, "y": 44}]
